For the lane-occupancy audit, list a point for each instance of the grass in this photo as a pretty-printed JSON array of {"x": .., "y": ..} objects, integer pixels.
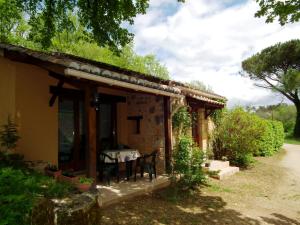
[{"x": 294, "y": 141}]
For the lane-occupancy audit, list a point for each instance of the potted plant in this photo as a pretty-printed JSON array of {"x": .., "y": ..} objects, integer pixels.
[
  {"x": 69, "y": 177},
  {"x": 84, "y": 184},
  {"x": 52, "y": 171}
]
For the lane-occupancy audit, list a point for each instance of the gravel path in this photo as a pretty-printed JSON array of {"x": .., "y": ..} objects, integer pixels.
[{"x": 291, "y": 161}]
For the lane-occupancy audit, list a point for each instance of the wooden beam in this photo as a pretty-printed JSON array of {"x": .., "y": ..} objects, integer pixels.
[
  {"x": 55, "y": 95},
  {"x": 90, "y": 113},
  {"x": 168, "y": 132}
]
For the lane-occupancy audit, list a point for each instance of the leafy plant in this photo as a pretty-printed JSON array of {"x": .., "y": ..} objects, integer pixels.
[
  {"x": 236, "y": 137},
  {"x": 187, "y": 162},
  {"x": 85, "y": 180},
  {"x": 239, "y": 135},
  {"x": 20, "y": 189},
  {"x": 9, "y": 135}
]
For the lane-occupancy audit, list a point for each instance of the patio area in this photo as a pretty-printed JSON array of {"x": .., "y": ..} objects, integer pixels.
[{"x": 123, "y": 190}]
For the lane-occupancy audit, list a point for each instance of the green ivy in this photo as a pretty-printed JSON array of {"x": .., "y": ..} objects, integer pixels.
[{"x": 182, "y": 120}]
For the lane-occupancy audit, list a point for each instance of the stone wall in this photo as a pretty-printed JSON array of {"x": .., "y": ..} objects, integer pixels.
[{"x": 151, "y": 136}]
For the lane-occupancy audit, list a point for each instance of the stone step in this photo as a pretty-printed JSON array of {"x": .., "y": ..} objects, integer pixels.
[
  {"x": 226, "y": 172},
  {"x": 218, "y": 165}
]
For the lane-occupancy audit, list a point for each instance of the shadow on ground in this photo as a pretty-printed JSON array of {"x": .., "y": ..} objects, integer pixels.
[{"x": 187, "y": 209}]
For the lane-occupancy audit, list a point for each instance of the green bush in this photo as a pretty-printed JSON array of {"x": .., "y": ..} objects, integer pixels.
[
  {"x": 272, "y": 139},
  {"x": 20, "y": 187},
  {"x": 187, "y": 162},
  {"x": 239, "y": 135},
  {"x": 236, "y": 137},
  {"x": 278, "y": 134},
  {"x": 267, "y": 139}
]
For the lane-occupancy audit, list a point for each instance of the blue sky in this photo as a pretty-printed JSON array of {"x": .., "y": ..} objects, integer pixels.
[{"x": 207, "y": 40}]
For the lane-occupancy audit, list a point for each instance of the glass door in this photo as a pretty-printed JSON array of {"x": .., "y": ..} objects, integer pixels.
[{"x": 71, "y": 134}]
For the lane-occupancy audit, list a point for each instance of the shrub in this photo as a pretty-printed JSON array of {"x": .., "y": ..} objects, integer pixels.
[
  {"x": 272, "y": 138},
  {"x": 236, "y": 137},
  {"x": 187, "y": 162},
  {"x": 267, "y": 139},
  {"x": 19, "y": 190},
  {"x": 239, "y": 135},
  {"x": 278, "y": 134}
]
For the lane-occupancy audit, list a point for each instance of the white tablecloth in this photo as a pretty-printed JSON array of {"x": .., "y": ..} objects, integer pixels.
[{"x": 122, "y": 155}]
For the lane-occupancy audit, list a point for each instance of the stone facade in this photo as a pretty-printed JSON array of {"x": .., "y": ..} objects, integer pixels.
[{"x": 151, "y": 136}]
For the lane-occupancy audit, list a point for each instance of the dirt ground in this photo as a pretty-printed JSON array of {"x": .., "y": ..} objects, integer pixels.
[{"x": 269, "y": 193}]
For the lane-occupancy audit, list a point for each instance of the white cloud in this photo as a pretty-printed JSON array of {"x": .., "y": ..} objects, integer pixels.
[{"x": 203, "y": 40}]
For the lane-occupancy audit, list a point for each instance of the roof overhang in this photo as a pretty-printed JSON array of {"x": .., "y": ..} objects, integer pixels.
[{"x": 159, "y": 90}]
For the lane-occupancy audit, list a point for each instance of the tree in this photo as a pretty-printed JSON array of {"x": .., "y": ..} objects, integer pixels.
[
  {"x": 278, "y": 68},
  {"x": 287, "y": 11},
  {"x": 103, "y": 20},
  {"x": 281, "y": 112},
  {"x": 199, "y": 85}
]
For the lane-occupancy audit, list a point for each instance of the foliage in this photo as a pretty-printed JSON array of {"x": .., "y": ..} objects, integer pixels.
[
  {"x": 293, "y": 141},
  {"x": 85, "y": 180},
  {"x": 241, "y": 134},
  {"x": 187, "y": 162},
  {"x": 281, "y": 112},
  {"x": 182, "y": 120},
  {"x": 236, "y": 137},
  {"x": 9, "y": 135},
  {"x": 287, "y": 11},
  {"x": 278, "y": 68},
  {"x": 102, "y": 20},
  {"x": 20, "y": 188},
  {"x": 217, "y": 116},
  {"x": 266, "y": 140},
  {"x": 278, "y": 134},
  {"x": 77, "y": 42},
  {"x": 198, "y": 85}
]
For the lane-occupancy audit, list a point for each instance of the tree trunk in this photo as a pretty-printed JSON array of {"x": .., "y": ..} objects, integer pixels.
[{"x": 297, "y": 125}]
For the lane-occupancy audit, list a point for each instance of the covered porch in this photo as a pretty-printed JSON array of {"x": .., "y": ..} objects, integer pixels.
[{"x": 96, "y": 117}]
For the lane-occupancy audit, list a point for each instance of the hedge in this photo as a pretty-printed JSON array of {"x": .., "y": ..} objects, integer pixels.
[{"x": 240, "y": 135}]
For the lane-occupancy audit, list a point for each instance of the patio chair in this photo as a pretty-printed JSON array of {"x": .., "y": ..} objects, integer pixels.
[
  {"x": 108, "y": 169},
  {"x": 146, "y": 163}
]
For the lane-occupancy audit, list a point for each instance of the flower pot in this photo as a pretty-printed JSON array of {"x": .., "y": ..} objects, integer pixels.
[
  {"x": 83, "y": 187},
  {"x": 51, "y": 173}
]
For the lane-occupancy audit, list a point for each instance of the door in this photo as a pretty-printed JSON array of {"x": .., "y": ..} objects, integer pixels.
[
  {"x": 71, "y": 134},
  {"x": 107, "y": 126}
]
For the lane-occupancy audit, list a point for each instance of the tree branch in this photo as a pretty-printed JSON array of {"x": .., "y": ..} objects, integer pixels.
[{"x": 279, "y": 90}]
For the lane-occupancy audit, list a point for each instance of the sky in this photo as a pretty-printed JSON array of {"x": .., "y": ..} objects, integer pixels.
[{"x": 207, "y": 40}]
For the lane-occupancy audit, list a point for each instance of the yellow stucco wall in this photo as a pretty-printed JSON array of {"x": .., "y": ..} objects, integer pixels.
[
  {"x": 7, "y": 90},
  {"x": 38, "y": 123}
]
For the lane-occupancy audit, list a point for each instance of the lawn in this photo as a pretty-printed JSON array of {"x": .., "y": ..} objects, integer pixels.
[{"x": 292, "y": 141}]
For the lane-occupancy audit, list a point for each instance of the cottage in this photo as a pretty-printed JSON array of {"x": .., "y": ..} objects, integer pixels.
[{"x": 69, "y": 109}]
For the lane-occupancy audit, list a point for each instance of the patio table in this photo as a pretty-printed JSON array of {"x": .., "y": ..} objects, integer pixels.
[{"x": 125, "y": 155}]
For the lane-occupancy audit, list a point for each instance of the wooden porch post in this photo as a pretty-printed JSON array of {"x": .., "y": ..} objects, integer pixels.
[
  {"x": 90, "y": 112},
  {"x": 168, "y": 132}
]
